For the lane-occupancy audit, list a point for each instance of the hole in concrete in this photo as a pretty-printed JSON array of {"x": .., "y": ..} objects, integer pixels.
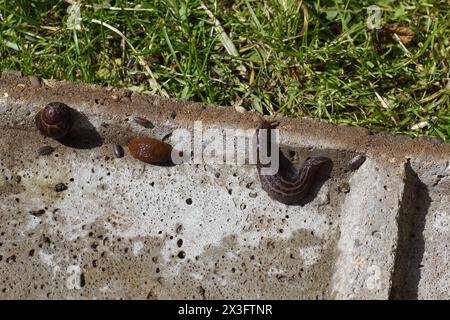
[{"x": 189, "y": 201}]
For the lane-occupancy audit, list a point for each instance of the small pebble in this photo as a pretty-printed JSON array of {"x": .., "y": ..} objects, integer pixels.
[
  {"x": 45, "y": 150},
  {"x": 356, "y": 162},
  {"x": 173, "y": 114},
  {"x": 60, "y": 187},
  {"x": 345, "y": 187},
  {"x": 144, "y": 122},
  {"x": 118, "y": 151}
]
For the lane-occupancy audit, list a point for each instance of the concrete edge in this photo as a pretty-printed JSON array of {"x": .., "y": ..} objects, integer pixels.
[{"x": 298, "y": 132}]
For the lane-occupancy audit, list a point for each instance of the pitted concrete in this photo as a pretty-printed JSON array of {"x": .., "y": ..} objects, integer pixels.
[
  {"x": 125, "y": 229},
  {"x": 369, "y": 223}
]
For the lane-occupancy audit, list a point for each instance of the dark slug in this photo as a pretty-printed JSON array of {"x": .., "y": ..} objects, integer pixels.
[{"x": 288, "y": 185}]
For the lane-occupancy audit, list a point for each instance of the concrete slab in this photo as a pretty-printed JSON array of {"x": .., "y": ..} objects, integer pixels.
[{"x": 125, "y": 229}]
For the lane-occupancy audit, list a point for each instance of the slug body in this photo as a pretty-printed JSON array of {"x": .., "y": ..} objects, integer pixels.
[
  {"x": 150, "y": 150},
  {"x": 55, "y": 120},
  {"x": 289, "y": 185}
]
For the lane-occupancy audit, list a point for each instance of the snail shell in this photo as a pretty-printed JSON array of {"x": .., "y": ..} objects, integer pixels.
[
  {"x": 150, "y": 150},
  {"x": 55, "y": 120}
]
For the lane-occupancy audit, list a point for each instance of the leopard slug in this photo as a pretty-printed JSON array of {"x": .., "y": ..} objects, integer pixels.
[{"x": 289, "y": 185}]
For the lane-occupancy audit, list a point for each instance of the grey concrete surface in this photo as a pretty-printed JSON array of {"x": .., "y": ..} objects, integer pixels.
[{"x": 126, "y": 229}]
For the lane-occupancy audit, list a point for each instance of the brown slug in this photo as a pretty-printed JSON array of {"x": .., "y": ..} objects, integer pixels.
[
  {"x": 55, "y": 120},
  {"x": 150, "y": 150},
  {"x": 288, "y": 185}
]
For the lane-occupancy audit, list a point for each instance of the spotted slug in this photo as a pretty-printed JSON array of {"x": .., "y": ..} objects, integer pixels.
[{"x": 288, "y": 185}]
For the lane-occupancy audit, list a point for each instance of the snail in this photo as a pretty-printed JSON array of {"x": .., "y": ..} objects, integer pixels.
[
  {"x": 150, "y": 150},
  {"x": 55, "y": 120},
  {"x": 288, "y": 185}
]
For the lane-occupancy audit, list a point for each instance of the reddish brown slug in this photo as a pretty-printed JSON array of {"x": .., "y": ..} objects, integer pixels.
[
  {"x": 150, "y": 150},
  {"x": 54, "y": 120}
]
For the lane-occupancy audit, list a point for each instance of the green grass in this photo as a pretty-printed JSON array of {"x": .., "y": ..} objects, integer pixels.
[{"x": 332, "y": 70}]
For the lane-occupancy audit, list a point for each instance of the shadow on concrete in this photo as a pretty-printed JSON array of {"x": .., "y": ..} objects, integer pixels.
[
  {"x": 164, "y": 164},
  {"x": 411, "y": 243},
  {"x": 83, "y": 134}
]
